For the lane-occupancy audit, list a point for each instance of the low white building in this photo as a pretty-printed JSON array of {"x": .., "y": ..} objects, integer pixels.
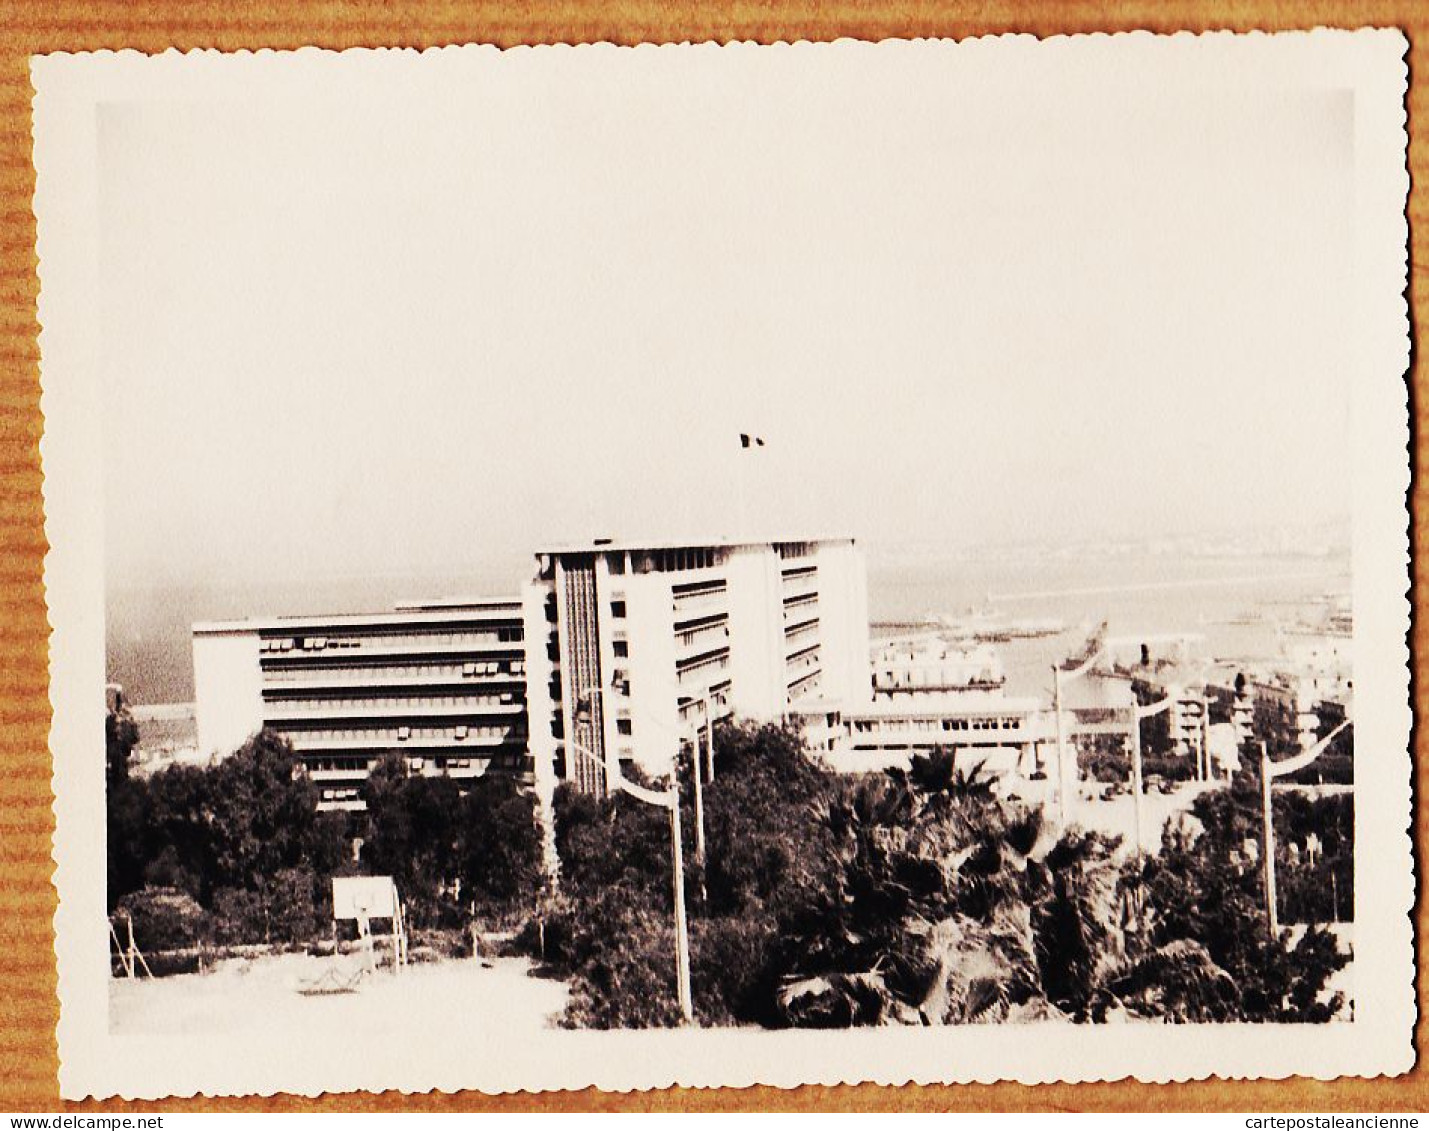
[{"x": 1005, "y": 733}]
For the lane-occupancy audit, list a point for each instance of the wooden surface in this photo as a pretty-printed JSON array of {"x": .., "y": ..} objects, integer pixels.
[{"x": 28, "y": 1008}]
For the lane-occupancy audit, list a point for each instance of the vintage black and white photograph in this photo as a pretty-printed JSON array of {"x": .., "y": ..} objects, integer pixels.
[{"x": 712, "y": 544}]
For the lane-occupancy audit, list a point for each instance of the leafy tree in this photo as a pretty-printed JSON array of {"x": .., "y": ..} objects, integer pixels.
[
  {"x": 127, "y": 835},
  {"x": 413, "y": 834},
  {"x": 448, "y": 850},
  {"x": 1207, "y": 889},
  {"x": 242, "y": 840},
  {"x": 501, "y": 848},
  {"x": 163, "y": 919},
  {"x": 121, "y": 735},
  {"x": 125, "y": 803},
  {"x": 260, "y": 813},
  {"x": 916, "y": 897},
  {"x": 764, "y": 846}
]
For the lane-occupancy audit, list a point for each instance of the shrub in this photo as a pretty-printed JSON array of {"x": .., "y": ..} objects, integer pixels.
[
  {"x": 163, "y": 918},
  {"x": 292, "y": 906},
  {"x": 921, "y": 897},
  {"x": 622, "y": 952},
  {"x": 240, "y": 917},
  {"x": 730, "y": 969}
]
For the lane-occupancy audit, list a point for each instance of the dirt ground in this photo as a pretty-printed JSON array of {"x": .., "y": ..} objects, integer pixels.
[{"x": 258, "y": 994}]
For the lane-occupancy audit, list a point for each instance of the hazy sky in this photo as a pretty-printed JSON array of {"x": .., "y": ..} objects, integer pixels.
[{"x": 536, "y": 296}]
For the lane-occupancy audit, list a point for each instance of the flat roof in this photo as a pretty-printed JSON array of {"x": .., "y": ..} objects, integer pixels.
[
  {"x": 923, "y": 706},
  {"x": 695, "y": 542},
  {"x": 426, "y": 613}
]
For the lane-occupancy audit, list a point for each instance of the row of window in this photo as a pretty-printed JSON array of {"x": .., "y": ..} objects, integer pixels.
[
  {"x": 368, "y": 673},
  {"x": 799, "y": 573},
  {"x": 393, "y": 640},
  {"x": 355, "y": 765},
  {"x": 805, "y": 685},
  {"x": 404, "y": 733},
  {"x": 801, "y": 631},
  {"x": 697, "y": 635},
  {"x": 363, "y": 765},
  {"x": 710, "y": 588},
  {"x": 677, "y": 560},
  {"x": 379, "y": 645},
  {"x": 792, "y": 551},
  {"x": 401, "y": 702},
  {"x": 702, "y": 670},
  {"x": 935, "y": 677},
  {"x": 688, "y": 599},
  {"x": 961, "y": 723},
  {"x": 693, "y": 709},
  {"x": 702, "y": 661},
  {"x": 307, "y": 643},
  {"x": 807, "y": 658}
]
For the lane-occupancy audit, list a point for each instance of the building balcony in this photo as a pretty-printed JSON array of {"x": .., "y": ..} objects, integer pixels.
[
  {"x": 798, "y": 589},
  {"x": 801, "y": 608},
  {"x": 696, "y": 641},
  {"x": 413, "y": 650},
  {"x": 412, "y": 747},
  {"x": 279, "y": 713},
  {"x": 696, "y": 605},
  {"x": 312, "y": 681},
  {"x": 803, "y": 653},
  {"x": 326, "y": 777}
]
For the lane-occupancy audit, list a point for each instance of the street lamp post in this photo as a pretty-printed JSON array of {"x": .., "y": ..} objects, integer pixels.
[
  {"x": 1267, "y": 825},
  {"x": 1096, "y": 645},
  {"x": 708, "y": 706},
  {"x": 1269, "y": 771},
  {"x": 670, "y": 800},
  {"x": 705, "y": 701},
  {"x": 1138, "y": 713},
  {"x": 1061, "y": 745}
]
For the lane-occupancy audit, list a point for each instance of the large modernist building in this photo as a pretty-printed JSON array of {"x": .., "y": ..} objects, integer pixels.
[
  {"x": 611, "y": 656},
  {"x": 628, "y": 644},
  {"x": 444, "y": 684}
]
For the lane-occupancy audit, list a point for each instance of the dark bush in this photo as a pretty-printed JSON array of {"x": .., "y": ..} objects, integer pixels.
[
  {"x": 163, "y": 919},
  {"x": 240, "y": 916},
  {"x": 730, "y": 969},
  {"x": 918, "y": 897}
]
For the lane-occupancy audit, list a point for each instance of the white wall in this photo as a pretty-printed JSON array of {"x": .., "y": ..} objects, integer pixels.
[
  {"x": 539, "y": 706},
  {"x": 654, "y": 692},
  {"x": 228, "y": 689},
  {"x": 756, "y": 632},
  {"x": 843, "y": 623}
]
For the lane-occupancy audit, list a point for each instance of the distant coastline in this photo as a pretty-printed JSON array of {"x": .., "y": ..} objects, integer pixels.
[{"x": 148, "y": 644}]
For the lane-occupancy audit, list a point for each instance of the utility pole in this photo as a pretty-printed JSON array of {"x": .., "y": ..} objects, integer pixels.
[
  {"x": 670, "y": 800},
  {"x": 1061, "y": 745},
  {"x": 1203, "y": 759},
  {"x": 709, "y": 734},
  {"x": 699, "y": 816},
  {"x": 1136, "y": 776},
  {"x": 682, "y": 936},
  {"x": 1138, "y": 713},
  {"x": 1269, "y": 771},
  {"x": 1272, "y": 910},
  {"x": 1095, "y": 646}
]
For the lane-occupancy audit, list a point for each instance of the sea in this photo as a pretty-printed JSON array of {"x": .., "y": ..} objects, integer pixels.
[
  {"x": 1233, "y": 606},
  {"x": 1231, "y": 609}
]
